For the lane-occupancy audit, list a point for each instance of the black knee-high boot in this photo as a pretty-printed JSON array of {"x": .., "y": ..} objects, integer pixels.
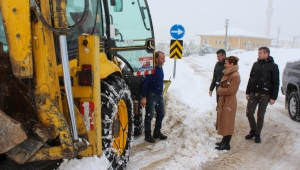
[
  {"x": 225, "y": 145},
  {"x": 229, "y": 139},
  {"x": 221, "y": 142}
]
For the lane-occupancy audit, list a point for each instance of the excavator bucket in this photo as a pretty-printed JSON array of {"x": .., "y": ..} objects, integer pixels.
[
  {"x": 20, "y": 133},
  {"x": 11, "y": 134}
]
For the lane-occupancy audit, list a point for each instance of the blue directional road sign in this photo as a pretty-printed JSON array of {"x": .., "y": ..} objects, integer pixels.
[{"x": 177, "y": 31}]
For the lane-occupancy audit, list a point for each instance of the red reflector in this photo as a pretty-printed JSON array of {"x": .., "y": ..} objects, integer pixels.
[
  {"x": 85, "y": 78},
  {"x": 87, "y": 112},
  {"x": 86, "y": 67}
]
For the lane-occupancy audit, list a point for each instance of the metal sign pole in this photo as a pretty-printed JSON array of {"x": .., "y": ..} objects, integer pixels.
[
  {"x": 177, "y": 31},
  {"x": 174, "y": 70}
]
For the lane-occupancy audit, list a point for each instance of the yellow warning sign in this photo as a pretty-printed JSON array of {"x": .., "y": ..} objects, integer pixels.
[{"x": 176, "y": 49}]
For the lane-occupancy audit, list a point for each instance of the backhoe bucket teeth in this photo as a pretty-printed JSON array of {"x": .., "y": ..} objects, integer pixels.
[
  {"x": 11, "y": 134},
  {"x": 37, "y": 136},
  {"x": 25, "y": 150}
]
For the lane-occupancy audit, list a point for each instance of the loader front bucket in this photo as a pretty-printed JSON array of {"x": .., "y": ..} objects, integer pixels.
[{"x": 167, "y": 84}]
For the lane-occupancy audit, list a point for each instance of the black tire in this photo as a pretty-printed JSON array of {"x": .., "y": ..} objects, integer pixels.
[
  {"x": 293, "y": 105},
  {"x": 134, "y": 83},
  {"x": 117, "y": 121}
]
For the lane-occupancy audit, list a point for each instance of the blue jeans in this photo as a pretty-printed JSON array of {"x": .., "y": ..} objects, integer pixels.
[{"x": 154, "y": 101}]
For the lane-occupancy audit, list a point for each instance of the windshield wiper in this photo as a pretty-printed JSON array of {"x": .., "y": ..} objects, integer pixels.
[{"x": 143, "y": 15}]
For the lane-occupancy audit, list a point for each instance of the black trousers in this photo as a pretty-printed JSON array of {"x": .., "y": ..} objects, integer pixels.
[{"x": 262, "y": 100}]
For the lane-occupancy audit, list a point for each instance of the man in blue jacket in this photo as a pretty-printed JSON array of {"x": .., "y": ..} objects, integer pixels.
[{"x": 152, "y": 98}]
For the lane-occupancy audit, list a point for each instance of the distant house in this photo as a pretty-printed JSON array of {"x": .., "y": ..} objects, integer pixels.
[
  {"x": 287, "y": 42},
  {"x": 237, "y": 39}
]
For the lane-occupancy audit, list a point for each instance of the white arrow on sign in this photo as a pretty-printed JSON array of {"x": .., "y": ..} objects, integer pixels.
[{"x": 179, "y": 31}]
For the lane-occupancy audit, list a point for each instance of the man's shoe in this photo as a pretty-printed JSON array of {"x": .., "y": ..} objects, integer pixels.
[
  {"x": 250, "y": 135},
  {"x": 158, "y": 134},
  {"x": 149, "y": 138},
  {"x": 225, "y": 146},
  {"x": 257, "y": 138}
]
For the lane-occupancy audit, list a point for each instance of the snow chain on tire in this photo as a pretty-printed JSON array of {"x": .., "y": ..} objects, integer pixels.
[{"x": 117, "y": 130}]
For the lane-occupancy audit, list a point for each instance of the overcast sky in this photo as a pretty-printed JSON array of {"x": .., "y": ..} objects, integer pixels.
[{"x": 198, "y": 16}]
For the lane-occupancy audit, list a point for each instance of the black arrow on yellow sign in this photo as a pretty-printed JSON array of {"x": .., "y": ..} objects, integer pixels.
[{"x": 176, "y": 49}]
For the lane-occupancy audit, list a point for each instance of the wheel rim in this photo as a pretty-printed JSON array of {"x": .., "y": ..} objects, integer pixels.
[
  {"x": 120, "y": 128},
  {"x": 293, "y": 106}
]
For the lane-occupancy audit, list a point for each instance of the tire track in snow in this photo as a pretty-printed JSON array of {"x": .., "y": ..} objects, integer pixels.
[{"x": 197, "y": 67}]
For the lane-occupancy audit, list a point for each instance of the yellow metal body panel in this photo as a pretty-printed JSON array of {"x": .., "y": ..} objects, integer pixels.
[
  {"x": 59, "y": 14},
  {"x": 16, "y": 20},
  {"x": 79, "y": 120},
  {"x": 59, "y": 122},
  {"x": 82, "y": 92},
  {"x": 46, "y": 81},
  {"x": 89, "y": 54},
  {"x": 80, "y": 123},
  {"x": 73, "y": 64},
  {"x": 47, "y": 90},
  {"x": 52, "y": 153},
  {"x": 91, "y": 148},
  {"x": 107, "y": 67}
]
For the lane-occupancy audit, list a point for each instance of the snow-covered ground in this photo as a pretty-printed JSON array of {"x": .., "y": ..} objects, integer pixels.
[{"x": 190, "y": 118}]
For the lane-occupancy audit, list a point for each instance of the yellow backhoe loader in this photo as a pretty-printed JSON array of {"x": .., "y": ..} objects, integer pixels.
[{"x": 70, "y": 73}]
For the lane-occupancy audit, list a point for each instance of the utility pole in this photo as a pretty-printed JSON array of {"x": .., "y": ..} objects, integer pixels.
[
  {"x": 226, "y": 26},
  {"x": 278, "y": 32}
]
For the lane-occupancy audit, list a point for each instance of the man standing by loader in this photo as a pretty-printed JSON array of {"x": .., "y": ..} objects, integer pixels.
[
  {"x": 152, "y": 98},
  {"x": 218, "y": 72}
]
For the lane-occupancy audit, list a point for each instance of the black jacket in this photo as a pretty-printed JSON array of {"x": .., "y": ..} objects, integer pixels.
[
  {"x": 217, "y": 76},
  {"x": 264, "y": 78}
]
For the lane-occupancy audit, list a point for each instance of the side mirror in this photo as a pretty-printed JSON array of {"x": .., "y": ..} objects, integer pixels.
[{"x": 118, "y": 7}]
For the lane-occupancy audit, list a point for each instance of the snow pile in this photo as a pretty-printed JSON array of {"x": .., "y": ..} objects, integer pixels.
[{"x": 88, "y": 163}]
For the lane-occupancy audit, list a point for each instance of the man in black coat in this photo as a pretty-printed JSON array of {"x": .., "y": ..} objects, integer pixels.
[
  {"x": 262, "y": 88},
  {"x": 218, "y": 72}
]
